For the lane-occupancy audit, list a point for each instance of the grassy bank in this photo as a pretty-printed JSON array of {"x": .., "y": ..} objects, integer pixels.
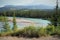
[{"x": 32, "y": 31}]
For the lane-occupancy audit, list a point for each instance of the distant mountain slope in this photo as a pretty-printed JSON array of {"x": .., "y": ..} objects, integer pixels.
[{"x": 12, "y": 7}]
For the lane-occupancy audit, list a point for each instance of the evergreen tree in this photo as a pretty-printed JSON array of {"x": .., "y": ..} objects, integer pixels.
[
  {"x": 1, "y": 18},
  {"x": 14, "y": 23},
  {"x": 6, "y": 24},
  {"x": 56, "y": 15}
]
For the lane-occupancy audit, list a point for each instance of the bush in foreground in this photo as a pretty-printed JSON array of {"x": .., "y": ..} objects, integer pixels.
[{"x": 32, "y": 31}]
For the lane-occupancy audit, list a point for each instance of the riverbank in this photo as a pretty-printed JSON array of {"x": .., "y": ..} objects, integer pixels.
[
  {"x": 20, "y": 20},
  {"x": 30, "y": 21},
  {"x": 21, "y": 38}
]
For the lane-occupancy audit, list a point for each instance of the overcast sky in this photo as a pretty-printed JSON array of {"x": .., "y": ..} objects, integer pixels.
[{"x": 28, "y": 2}]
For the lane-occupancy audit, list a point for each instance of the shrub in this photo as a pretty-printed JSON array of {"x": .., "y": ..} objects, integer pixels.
[
  {"x": 4, "y": 33},
  {"x": 1, "y": 18},
  {"x": 14, "y": 23},
  {"x": 50, "y": 30},
  {"x": 57, "y": 30},
  {"x": 30, "y": 31},
  {"x": 42, "y": 32}
]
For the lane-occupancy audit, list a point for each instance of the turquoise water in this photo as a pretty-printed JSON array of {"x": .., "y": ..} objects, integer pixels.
[{"x": 37, "y": 22}]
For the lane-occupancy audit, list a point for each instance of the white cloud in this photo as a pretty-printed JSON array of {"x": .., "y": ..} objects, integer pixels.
[
  {"x": 46, "y": 2},
  {"x": 22, "y": 2},
  {"x": 27, "y": 2}
]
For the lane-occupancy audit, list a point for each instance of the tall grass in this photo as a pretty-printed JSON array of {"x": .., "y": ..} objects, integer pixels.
[
  {"x": 57, "y": 30},
  {"x": 30, "y": 31}
]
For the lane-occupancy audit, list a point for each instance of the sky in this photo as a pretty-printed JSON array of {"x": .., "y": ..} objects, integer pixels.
[{"x": 28, "y": 2}]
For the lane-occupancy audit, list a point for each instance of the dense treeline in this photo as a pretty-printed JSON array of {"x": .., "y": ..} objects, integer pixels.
[
  {"x": 44, "y": 14},
  {"x": 30, "y": 13},
  {"x": 30, "y": 31}
]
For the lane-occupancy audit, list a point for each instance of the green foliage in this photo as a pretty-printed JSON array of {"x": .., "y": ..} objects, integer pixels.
[
  {"x": 5, "y": 33},
  {"x": 42, "y": 32},
  {"x": 14, "y": 23},
  {"x": 50, "y": 30},
  {"x": 30, "y": 31},
  {"x": 47, "y": 14},
  {"x": 57, "y": 30},
  {"x": 1, "y": 18},
  {"x": 6, "y": 26},
  {"x": 31, "y": 13}
]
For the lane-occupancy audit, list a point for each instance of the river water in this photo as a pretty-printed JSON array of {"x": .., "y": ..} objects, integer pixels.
[{"x": 24, "y": 22}]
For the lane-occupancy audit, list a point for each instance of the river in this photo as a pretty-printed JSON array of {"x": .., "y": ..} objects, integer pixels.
[{"x": 25, "y": 22}]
